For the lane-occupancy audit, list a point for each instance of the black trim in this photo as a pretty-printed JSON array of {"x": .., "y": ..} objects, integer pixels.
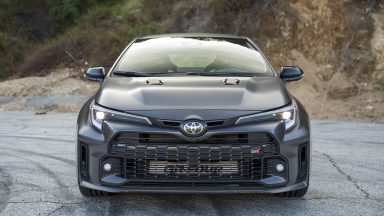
[
  {"x": 83, "y": 161},
  {"x": 303, "y": 161}
]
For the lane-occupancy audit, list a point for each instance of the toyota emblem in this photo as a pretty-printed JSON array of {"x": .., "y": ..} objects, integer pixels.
[{"x": 193, "y": 128}]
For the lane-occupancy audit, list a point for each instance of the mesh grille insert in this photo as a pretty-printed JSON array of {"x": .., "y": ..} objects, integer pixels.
[{"x": 153, "y": 156}]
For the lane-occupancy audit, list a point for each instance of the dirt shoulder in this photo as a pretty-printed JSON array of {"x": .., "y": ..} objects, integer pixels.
[
  {"x": 338, "y": 97},
  {"x": 62, "y": 91}
]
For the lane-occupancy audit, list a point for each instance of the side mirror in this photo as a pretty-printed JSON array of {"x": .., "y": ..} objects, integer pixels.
[
  {"x": 95, "y": 74},
  {"x": 288, "y": 73}
]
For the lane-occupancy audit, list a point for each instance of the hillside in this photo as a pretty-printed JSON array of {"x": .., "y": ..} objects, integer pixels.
[{"x": 339, "y": 44}]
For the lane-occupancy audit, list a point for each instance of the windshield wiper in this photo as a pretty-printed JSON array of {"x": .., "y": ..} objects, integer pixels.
[
  {"x": 149, "y": 74},
  {"x": 245, "y": 74},
  {"x": 145, "y": 74},
  {"x": 131, "y": 74}
]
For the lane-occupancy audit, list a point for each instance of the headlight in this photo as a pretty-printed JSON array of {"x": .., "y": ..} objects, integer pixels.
[
  {"x": 99, "y": 114},
  {"x": 97, "y": 118},
  {"x": 287, "y": 114},
  {"x": 289, "y": 118}
]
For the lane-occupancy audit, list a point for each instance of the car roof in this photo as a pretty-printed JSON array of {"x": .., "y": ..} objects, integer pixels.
[{"x": 210, "y": 35}]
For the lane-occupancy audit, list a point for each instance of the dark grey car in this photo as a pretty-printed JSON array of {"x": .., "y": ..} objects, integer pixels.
[{"x": 201, "y": 113}]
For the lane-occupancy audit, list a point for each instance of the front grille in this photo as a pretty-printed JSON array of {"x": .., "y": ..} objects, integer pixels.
[
  {"x": 162, "y": 157},
  {"x": 137, "y": 160},
  {"x": 155, "y": 138},
  {"x": 178, "y": 123}
]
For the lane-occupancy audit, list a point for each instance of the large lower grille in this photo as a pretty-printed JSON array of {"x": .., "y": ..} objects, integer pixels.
[
  {"x": 147, "y": 157},
  {"x": 186, "y": 161}
]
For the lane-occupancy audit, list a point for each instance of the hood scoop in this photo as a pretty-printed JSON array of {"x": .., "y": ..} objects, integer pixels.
[
  {"x": 231, "y": 81},
  {"x": 154, "y": 82}
]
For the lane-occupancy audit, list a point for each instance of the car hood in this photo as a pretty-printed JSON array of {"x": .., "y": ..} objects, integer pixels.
[{"x": 192, "y": 97}]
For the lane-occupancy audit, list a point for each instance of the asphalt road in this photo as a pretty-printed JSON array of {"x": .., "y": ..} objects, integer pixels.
[{"x": 37, "y": 175}]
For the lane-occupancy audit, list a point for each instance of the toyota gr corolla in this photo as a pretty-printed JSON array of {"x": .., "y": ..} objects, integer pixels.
[{"x": 201, "y": 113}]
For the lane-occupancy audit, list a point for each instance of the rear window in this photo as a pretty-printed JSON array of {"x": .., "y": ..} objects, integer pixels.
[{"x": 193, "y": 55}]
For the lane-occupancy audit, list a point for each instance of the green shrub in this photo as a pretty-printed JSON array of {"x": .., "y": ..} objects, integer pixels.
[
  {"x": 380, "y": 84},
  {"x": 67, "y": 12},
  {"x": 28, "y": 26}
]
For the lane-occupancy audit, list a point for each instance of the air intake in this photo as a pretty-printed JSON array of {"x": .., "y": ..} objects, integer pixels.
[
  {"x": 154, "y": 82},
  {"x": 231, "y": 81}
]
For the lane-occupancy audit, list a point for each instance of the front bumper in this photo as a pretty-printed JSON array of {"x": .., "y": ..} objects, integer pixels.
[
  {"x": 94, "y": 148},
  {"x": 207, "y": 190}
]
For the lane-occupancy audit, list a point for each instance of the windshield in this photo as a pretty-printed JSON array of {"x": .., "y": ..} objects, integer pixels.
[{"x": 196, "y": 55}]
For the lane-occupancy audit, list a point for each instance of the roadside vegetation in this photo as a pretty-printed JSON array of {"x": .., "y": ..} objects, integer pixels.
[
  {"x": 339, "y": 44},
  {"x": 39, "y": 29},
  {"x": 37, "y": 36}
]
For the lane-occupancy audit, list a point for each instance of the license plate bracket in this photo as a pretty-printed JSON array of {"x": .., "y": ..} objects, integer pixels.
[{"x": 185, "y": 168}]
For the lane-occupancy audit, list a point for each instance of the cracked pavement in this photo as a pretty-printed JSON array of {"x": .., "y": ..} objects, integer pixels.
[{"x": 37, "y": 175}]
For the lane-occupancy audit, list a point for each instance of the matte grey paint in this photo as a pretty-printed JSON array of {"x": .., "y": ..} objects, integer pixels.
[
  {"x": 289, "y": 144},
  {"x": 188, "y": 98},
  {"x": 193, "y": 93}
]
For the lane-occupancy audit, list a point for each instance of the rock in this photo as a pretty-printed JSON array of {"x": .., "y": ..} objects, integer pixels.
[
  {"x": 343, "y": 93},
  {"x": 41, "y": 112},
  {"x": 369, "y": 108}
]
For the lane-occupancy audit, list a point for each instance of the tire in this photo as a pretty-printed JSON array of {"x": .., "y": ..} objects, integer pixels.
[
  {"x": 295, "y": 193},
  {"x": 93, "y": 193}
]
